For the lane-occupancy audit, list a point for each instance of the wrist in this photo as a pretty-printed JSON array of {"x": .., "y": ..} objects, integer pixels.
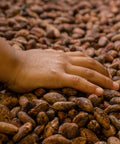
[
  {"x": 12, "y": 67},
  {"x": 15, "y": 67},
  {"x": 11, "y": 62}
]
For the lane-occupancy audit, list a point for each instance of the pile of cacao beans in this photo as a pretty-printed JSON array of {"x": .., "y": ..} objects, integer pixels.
[{"x": 62, "y": 116}]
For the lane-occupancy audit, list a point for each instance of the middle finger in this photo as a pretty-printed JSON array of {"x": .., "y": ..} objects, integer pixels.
[{"x": 92, "y": 76}]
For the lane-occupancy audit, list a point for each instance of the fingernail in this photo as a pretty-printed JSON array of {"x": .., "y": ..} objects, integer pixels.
[
  {"x": 99, "y": 91},
  {"x": 115, "y": 86}
]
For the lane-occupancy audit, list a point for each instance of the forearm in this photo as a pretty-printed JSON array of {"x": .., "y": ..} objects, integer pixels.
[{"x": 9, "y": 61}]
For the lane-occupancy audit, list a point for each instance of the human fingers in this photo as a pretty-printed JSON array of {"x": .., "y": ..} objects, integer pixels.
[
  {"x": 92, "y": 76},
  {"x": 89, "y": 63},
  {"x": 81, "y": 84}
]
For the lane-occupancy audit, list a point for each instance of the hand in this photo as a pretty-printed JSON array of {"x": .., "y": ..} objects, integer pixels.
[{"x": 56, "y": 69}]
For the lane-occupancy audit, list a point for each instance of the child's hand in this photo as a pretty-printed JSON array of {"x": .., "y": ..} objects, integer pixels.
[{"x": 56, "y": 69}]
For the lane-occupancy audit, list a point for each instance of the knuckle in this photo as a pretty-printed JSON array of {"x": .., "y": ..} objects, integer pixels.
[
  {"x": 63, "y": 57},
  {"x": 67, "y": 66},
  {"x": 54, "y": 72},
  {"x": 90, "y": 73},
  {"x": 62, "y": 63},
  {"x": 75, "y": 80},
  {"x": 61, "y": 54}
]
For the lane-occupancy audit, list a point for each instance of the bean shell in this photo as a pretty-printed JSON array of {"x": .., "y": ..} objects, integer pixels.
[
  {"x": 8, "y": 128},
  {"x": 62, "y": 116},
  {"x": 27, "y": 106},
  {"x": 102, "y": 41},
  {"x": 115, "y": 121},
  {"x": 89, "y": 135},
  {"x": 16, "y": 122},
  {"x": 69, "y": 92},
  {"x": 81, "y": 119},
  {"x": 22, "y": 132},
  {"x": 84, "y": 104},
  {"x": 5, "y": 114},
  {"x": 39, "y": 129},
  {"x": 87, "y": 39},
  {"x": 22, "y": 32},
  {"x": 53, "y": 97},
  {"x": 24, "y": 117},
  {"x": 63, "y": 106},
  {"x": 112, "y": 108},
  {"x": 109, "y": 132},
  {"x": 72, "y": 113},
  {"x": 41, "y": 106},
  {"x": 95, "y": 99},
  {"x": 113, "y": 140},
  {"x": 30, "y": 96},
  {"x": 79, "y": 140},
  {"x": 67, "y": 120},
  {"x": 56, "y": 32},
  {"x": 23, "y": 100},
  {"x": 51, "y": 114},
  {"x": 37, "y": 31},
  {"x": 102, "y": 118},
  {"x": 42, "y": 118},
  {"x": 116, "y": 114},
  {"x": 116, "y": 37},
  {"x": 10, "y": 100},
  {"x": 108, "y": 94},
  {"x": 39, "y": 92},
  {"x": 117, "y": 26},
  {"x": 94, "y": 126},
  {"x": 56, "y": 139},
  {"x": 51, "y": 128},
  {"x": 69, "y": 130},
  {"x": 29, "y": 139},
  {"x": 14, "y": 111},
  {"x": 115, "y": 100}
]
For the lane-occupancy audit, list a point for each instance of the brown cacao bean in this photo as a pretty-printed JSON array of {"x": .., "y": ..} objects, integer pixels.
[{"x": 69, "y": 130}]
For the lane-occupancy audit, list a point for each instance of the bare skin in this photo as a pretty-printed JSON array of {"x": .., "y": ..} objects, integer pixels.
[{"x": 24, "y": 71}]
